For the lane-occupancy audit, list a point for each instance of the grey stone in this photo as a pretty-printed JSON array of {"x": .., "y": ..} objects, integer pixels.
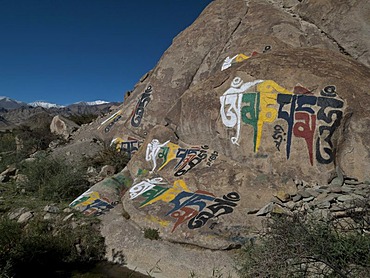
[
  {"x": 282, "y": 196},
  {"x": 330, "y": 197},
  {"x": 352, "y": 182},
  {"x": 10, "y": 171},
  {"x": 335, "y": 188},
  {"x": 296, "y": 198},
  {"x": 323, "y": 205},
  {"x": 336, "y": 207},
  {"x": 345, "y": 198},
  {"x": 276, "y": 201},
  {"x": 290, "y": 205},
  {"x": 266, "y": 209},
  {"x": 63, "y": 126},
  {"x": 321, "y": 196},
  {"x": 25, "y": 217},
  {"x": 15, "y": 214},
  {"x": 304, "y": 193},
  {"x": 48, "y": 216},
  {"x": 347, "y": 188},
  {"x": 313, "y": 192},
  {"x": 91, "y": 170},
  {"x": 107, "y": 170},
  {"x": 20, "y": 178},
  {"x": 308, "y": 199},
  {"x": 339, "y": 179},
  {"x": 359, "y": 192},
  {"x": 51, "y": 209},
  {"x": 69, "y": 216},
  {"x": 356, "y": 196}
]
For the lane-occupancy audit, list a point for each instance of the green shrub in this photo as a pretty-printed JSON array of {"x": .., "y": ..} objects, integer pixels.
[
  {"x": 81, "y": 119},
  {"x": 53, "y": 179},
  {"x": 40, "y": 248},
  {"x": 152, "y": 234},
  {"x": 296, "y": 246},
  {"x": 8, "y": 150},
  {"x": 35, "y": 139},
  {"x": 108, "y": 156}
]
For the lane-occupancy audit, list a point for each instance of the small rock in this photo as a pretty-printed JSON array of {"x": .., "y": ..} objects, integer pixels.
[
  {"x": 297, "y": 182},
  {"x": 337, "y": 208},
  {"x": 345, "y": 198},
  {"x": 78, "y": 249},
  {"x": 356, "y": 196},
  {"x": 322, "y": 196},
  {"x": 276, "y": 201},
  {"x": 290, "y": 205},
  {"x": 339, "y": 214},
  {"x": 69, "y": 216},
  {"x": 107, "y": 170},
  {"x": 347, "y": 189},
  {"x": 339, "y": 179},
  {"x": 282, "y": 196},
  {"x": 279, "y": 210},
  {"x": 330, "y": 198},
  {"x": 309, "y": 199},
  {"x": 67, "y": 210},
  {"x": 11, "y": 171},
  {"x": 51, "y": 208},
  {"x": 20, "y": 178},
  {"x": 25, "y": 217},
  {"x": 335, "y": 189},
  {"x": 323, "y": 205},
  {"x": 313, "y": 192},
  {"x": 352, "y": 182},
  {"x": 47, "y": 216},
  {"x": 30, "y": 159},
  {"x": 360, "y": 193},
  {"x": 15, "y": 214},
  {"x": 304, "y": 193},
  {"x": 91, "y": 170},
  {"x": 74, "y": 225},
  {"x": 265, "y": 210},
  {"x": 296, "y": 198}
]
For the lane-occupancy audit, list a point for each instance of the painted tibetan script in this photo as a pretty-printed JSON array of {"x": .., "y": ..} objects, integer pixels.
[
  {"x": 194, "y": 208},
  {"x": 291, "y": 115}
]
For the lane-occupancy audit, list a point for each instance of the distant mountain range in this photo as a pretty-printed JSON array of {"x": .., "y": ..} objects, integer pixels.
[
  {"x": 8, "y": 103},
  {"x": 14, "y": 113}
]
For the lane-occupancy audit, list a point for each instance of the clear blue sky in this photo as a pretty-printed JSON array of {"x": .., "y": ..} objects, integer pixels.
[{"x": 64, "y": 51}]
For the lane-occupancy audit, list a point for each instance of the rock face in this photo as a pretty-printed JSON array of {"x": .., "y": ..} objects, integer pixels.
[
  {"x": 62, "y": 126},
  {"x": 252, "y": 96}
]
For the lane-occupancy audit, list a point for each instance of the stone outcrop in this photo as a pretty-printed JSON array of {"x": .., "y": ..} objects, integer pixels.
[
  {"x": 62, "y": 126},
  {"x": 251, "y": 98}
]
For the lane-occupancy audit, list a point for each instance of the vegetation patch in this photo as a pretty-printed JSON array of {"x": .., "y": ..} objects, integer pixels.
[
  {"x": 152, "y": 234},
  {"x": 302, "y": 246}
]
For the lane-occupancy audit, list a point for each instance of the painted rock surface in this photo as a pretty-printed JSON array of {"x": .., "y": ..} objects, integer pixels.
[{"x": 253, "y": 95}]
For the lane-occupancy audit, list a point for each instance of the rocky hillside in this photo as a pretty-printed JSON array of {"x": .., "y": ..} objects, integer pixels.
[
  {"x": 259, "y": 106},
  {"x": 24, "y": 114}
]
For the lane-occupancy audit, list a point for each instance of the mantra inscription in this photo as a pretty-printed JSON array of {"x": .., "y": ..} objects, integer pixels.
[{"x": 264, "y": 102}]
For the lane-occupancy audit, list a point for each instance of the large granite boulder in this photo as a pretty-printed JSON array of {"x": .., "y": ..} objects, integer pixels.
[
  {"x": 62, "y": 126},
  {"x": 251, "y": 101}
]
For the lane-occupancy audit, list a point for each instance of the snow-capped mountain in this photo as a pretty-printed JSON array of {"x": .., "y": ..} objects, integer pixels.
[
  {"x": 45, "y": 104},
  {"x": 8, "y": 103},
  {"x": 97, "y": 102}
]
